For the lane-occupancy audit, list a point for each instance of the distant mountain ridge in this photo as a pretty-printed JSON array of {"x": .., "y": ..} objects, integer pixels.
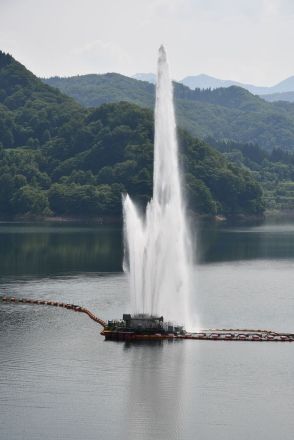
[
  {"x": 204, "y": 81},
  {"x": 149, "y": 77},
  {"x": 230, "y": 113},
  {"x": 283, "y": 96},
  {"x": 92, "y": 90}
]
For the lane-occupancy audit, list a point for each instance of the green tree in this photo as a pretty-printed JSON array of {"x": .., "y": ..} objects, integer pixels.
[{"x": 30, "y": 200}]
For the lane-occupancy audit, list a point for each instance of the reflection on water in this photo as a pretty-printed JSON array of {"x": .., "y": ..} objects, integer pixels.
[
  {"x": 154, "y": 395},
  {"x": 31, "y": 249},
  {"x": 60, "y": 380},
  {"x": 268, "y": 241},
  {"x": 66, "y": 248}
]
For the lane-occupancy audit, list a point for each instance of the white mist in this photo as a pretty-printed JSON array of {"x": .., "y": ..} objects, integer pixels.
[{"x": 158, "y": 246}]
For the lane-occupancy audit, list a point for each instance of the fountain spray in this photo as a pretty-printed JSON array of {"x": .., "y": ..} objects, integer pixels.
[{"x": 157, "y": 245}]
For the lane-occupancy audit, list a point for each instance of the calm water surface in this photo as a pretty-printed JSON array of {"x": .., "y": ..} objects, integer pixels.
[{"x": 60, "y": 380}]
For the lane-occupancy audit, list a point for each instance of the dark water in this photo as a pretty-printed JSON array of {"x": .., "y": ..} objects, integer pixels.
[{"x": 60, "y": 380}]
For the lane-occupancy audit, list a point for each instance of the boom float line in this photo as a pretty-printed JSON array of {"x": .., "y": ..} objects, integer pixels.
[
  {"x": 73, "y": 307},
  {"x": 208, "y": 335}
]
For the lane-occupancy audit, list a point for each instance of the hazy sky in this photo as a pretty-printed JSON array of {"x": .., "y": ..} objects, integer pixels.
[{"x": 245, "y": 40}]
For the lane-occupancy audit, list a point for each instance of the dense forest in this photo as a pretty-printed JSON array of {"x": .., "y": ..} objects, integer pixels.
[
  {"x": 223, "y": 114},
  {"x": 273, "y": 170},
  {"x": 59, "y": 158}
]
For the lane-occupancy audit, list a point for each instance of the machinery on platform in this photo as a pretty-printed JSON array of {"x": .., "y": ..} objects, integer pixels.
[
  {"x": 141, "y": 326},
  {"x": 148, "y": 327}
]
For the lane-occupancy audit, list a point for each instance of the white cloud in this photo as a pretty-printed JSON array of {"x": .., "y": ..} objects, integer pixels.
[
  {"x": 102, "y": 56},
  {"x": 247, "y": 40}
]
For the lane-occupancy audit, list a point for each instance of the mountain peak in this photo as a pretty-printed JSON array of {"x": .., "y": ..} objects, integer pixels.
[
  {"x": 148, "y": 77},
  {"x": 287, "y": 85},
  {"x": 5, "y": 59}
]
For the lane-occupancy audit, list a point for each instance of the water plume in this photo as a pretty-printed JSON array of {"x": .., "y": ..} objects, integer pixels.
[{"x": 157, "y": 244}]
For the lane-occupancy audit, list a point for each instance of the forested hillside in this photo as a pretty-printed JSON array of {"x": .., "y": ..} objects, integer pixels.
[
  {"x": 273, "y": 170},
  {"x": 58, "y": 158},
  {"x": 224, "y": 114}
]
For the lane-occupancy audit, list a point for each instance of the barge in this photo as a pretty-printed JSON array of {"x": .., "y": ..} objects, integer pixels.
[
  {"x": 141, "y": 327},
  {"x": 148, "y": 327}
]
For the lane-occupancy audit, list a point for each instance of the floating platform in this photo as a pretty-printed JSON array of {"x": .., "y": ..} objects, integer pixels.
[
  {"x": 141, "y": 327},
  {"x": 262, "y": 336},
  {"x": 153, "y": 328},
  {"x": 243, "y": 335},
  {"x": 148, "y": 327}
]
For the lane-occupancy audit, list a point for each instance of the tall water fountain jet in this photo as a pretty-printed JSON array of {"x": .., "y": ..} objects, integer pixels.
[{"x": 157, "y": 245}]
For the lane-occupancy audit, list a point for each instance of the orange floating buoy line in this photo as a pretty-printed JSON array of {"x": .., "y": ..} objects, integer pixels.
[
  {"x": 119, "y": 331},
  {"x": 73, "y": 307}
]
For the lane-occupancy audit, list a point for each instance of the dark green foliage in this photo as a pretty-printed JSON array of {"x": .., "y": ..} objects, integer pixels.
[
  {"x": 57, "y": 157},
  {"x": 94, "y": 90},
  {"x": 29, "y": 199},
  {"x": 274, "y": 170},
  {"x": 31, "y": 112},
  {"x": 234, "y": 191},
  {"x": 230, "y": 113}
]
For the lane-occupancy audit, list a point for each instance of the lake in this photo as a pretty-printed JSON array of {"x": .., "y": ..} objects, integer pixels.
[{"x": 59, "y": 379}]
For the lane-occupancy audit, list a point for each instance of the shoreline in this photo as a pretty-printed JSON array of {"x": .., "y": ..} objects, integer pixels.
[{"x": 118, "y": 220}]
